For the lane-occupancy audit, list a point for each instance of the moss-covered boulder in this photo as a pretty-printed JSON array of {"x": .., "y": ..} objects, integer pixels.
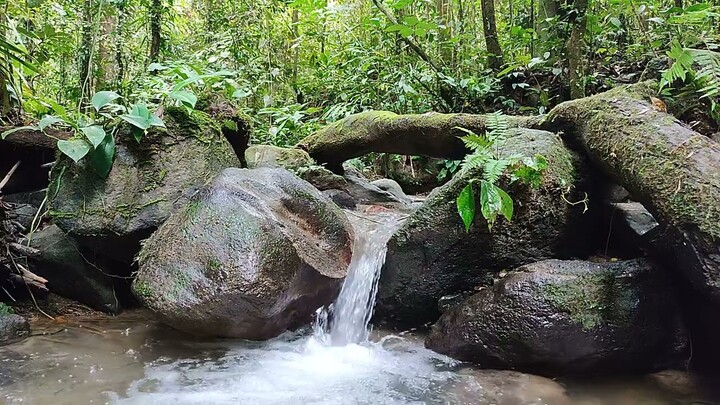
[
  {"x": 147, "y": 179},
  {"x": 568, "y": 317},
  {"x": 275, "y": 156},
  {"x": 254, "y": 253},
  {"x": 322, "y": 178},
  {"x": 432, "y": 255}
]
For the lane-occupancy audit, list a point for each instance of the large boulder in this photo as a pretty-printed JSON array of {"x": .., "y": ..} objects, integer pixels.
[
  {"x": 147, "y": 179},
  {"x": 568, "y": 317},
  {"x": 432, "y": 255},
  {"x": 254, "y": 253},
  {"x": 71, "y": 272},
  {"x": 275, "y": 156},
  {"x": 502, "y": 387}
]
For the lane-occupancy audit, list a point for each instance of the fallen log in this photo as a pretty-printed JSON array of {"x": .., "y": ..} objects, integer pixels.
[
  {"x": 34, "y": 138},
  {"x": 671, "y": 169},
  {"x": 430, "y": 134}
]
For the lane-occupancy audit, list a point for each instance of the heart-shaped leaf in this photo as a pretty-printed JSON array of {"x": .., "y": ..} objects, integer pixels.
[
  {"x": 466, "y": 206},
  {"x": 48, "y": 120},
  {"x": 75, "y": 148},
  {"x": 101, "y": 158},
  {"x": 95, "y": 134},
  {"x": 103, "y": 98}
]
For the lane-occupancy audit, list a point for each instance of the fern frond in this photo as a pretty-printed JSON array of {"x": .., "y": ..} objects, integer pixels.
[
  {"x": 682, "y": 64},
  {"x": 708, "y": 76},
  {"x": 497, "y": 124},
  {"x": 493, "y": 169},
  {"x": 476, "y": 142},
  {"x": 475, "y": 160}
]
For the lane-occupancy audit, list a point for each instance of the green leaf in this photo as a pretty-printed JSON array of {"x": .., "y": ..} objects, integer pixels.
[
  {"x": 101, "y": 158},
  {"x": 5, "y": 134},
  {"x": 241, "y": 93},
  {"x": 490, "y": 202},
  {"x": 103, "y": 98},
  {"x": 95, "y": 134},
  {"x": 48, "y": 120},
  {"x": 141, "y": 117},
  {"x": 188, "y": 98},
  {"x": 75, "y": 148},
  {"x": 506, "y": 204},
  {"x": 466, "y": 206}
]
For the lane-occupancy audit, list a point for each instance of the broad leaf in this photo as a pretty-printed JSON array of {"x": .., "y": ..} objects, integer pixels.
[
  {"x": 101, "y": 158},
  {"x": 466, "y": 206},
  {"x": 75, "y": 148},
  {"x": 48, "y": 120},
  {"x": 490, "y": 202},
  {"x": 95, "y": 134},
  {"x": 188, "y": 98},
  {"x": 506, "y": 204},
  {"x": 103, "y": 98}
]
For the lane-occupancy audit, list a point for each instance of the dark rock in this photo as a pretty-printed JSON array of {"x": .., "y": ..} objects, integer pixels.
[
  {"x": 147, "y": 179},
  {"x": 275, "y": 156},
  {"x": 322, "y": 178},
  {"x": 366, "y": 193},
  {"x": 614, "y": 193},
  {"x": 391, "y": 186},
  {"x": 254, "y": 253},
  {"x": 69, "y": 272},
  {"x": 432, "y": 255},
  {"x": 415, "y": 174},
  {"x": 234, "y": 124},
  {"x": 341, "y": 198},
  {"x": 12, "y": 328},
  {"x": 498, "y": 387},
  {"x": 569, "y": 317}
]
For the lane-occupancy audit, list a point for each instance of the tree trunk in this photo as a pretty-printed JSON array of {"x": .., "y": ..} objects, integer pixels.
[
  {"x": 547, "y": 9},
  {"x": 495, "y": 58},
  {"x": 86, "y": 50},
  {"x": 156, "y": 11},
  {"x": 106, "y": 59},
  {"x": 672, "y": 170},
  {"x": 576, "y": 51},
  {"x": 432, "y": 135}
]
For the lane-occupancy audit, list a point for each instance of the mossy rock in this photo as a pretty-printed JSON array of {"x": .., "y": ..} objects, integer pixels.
[
  {"x": 559, "y": 317},
  {"x": 254, "y": 253},
  {"x": 432, "y": 255},
  {"x": 147, "y": 179},
  {"x": 275, "y": 156}
]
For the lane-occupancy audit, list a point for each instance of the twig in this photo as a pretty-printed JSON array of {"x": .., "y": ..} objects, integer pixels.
[{"x": 9, "y": 174}]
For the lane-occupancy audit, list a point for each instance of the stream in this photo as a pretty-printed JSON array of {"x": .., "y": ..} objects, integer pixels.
[{"x": 132, "y": 359}]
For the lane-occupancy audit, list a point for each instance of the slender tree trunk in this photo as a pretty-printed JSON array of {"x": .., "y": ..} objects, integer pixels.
[
  {"x": 4, "y": 94},
  {"x": 576, "y": 51},
  {"x": 86, "y": 50},
  {"x": 105, "y": 59},
  {"x": 547, "y": 9},
  {"x": 156, "y": 9},
  {"x": 495, "y": 58},
  {"x": 442, "y": 8}
]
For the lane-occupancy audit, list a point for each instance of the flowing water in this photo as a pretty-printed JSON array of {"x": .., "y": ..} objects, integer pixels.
[{"x": 133, "y": 360}]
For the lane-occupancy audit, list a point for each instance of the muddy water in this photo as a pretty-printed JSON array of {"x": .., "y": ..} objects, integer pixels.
[{"x": 131, "y": 359}]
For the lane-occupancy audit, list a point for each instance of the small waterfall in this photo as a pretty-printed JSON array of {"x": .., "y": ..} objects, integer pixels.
[{"x": 347, "y": 320}]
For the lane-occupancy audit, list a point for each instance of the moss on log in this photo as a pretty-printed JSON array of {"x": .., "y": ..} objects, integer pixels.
[
  {"x": 430, "y": 134},
  {"x": 671, "y": 169}
]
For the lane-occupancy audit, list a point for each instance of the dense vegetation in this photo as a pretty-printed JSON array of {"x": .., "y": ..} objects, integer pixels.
[{"x": 294, "y": 65}]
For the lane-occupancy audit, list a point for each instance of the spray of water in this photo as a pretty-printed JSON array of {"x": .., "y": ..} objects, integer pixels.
[{"x": 347, "y": 320}]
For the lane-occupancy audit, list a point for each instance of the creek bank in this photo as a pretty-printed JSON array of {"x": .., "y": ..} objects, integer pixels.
[{"x": 253, "y": 253}]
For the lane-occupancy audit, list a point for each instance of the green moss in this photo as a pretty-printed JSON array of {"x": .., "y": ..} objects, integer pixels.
[
  {"x": 141, "y": 289},
  {"x": 6, "y": 309},
  {"x": 592, "y": 300}
]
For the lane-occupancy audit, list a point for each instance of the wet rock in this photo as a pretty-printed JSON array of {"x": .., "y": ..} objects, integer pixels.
[
  {"x": 69, "y": 272},
  {"x": 497, "y": 387},
  {"x": 415, "y": 174},
  {"x": 234, "y": 124},
  {"x": 568, "y": 317},
  {"x": 12, "y": 327},
  {"x": 635, "y": 217},
  {"x": 254, "y": 253},
  {"x": 366, "y": 193},
  {"x": 391, "y": 186},
  {"x": 147, "y": 180},
  {"x": 341, "y": 198},
  {"x": 322, "y": 178},
  {"x": 432, "y": 255},
  {"x": 275, "y": 156}
]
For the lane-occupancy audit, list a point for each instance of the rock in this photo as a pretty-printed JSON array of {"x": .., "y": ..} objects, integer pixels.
[
  {"x": 497, "y": 387},
  {"x": 70, "y": 273},
  {"x": 275, "y": 156},
  {"x": 147, "y": 179},
  {"x": 322, "y": 178},
  {"x": 234, "y": 124},
  {"x": 568, "y": 317},
  {"x": 391, "y": 186},
  {"x": 341, "y": 198},
  {"x": 432, "y": 255},
  {"x": 636, "y": 217},
  {"x": 366, "y": 193},
  {"x": 254, "y": 253},
  {"x": 12, "y": 327},
  {"x": 415, "y": 174}
]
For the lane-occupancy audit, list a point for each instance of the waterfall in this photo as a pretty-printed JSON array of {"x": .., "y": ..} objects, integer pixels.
[{"x": 347, "y": 320}]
